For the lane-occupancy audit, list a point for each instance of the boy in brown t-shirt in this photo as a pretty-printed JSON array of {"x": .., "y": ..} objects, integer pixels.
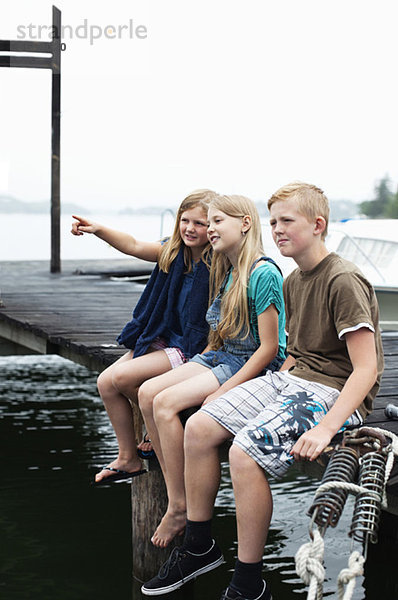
[{"x": 328, "y": 382}]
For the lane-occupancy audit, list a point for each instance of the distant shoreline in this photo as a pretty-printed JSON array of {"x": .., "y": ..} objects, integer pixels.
[
  {"x": 10, "y": 205},
  {"x": 340, "y": 209}
]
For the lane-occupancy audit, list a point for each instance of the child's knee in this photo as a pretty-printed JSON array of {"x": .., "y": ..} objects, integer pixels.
[
  {"x": 122, "y": 380},
  {"x": 145, "y": 397},
  {"x": 239, "y": 461},
  {"x": 162, "y": 406},
  {"x": 196, "y": 433},
  {"x": 203, "y": 434},
  {"x": 104, "y": 381}
]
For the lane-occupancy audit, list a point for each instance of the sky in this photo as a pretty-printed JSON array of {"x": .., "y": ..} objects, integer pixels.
[{"x": 240, "y": 96}]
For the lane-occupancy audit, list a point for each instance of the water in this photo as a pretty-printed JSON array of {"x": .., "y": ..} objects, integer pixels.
[
  {"x": 34, "y": 229},
  {"x": 62, "y": 538}
]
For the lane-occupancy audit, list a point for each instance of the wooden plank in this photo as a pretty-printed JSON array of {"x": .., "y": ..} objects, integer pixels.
[
  {"x": 26, "y": 62},
  {"x": 25, "y": 46},
  {"x": 73, "y": 315}
]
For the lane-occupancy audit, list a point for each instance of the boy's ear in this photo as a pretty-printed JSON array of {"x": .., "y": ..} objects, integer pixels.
[
  {"x": 320, "y": 225},
  {"x": 246, "y": 223}
]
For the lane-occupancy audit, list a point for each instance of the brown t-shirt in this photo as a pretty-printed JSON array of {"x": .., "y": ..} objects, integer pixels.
[{"x": 321, "y": 306}]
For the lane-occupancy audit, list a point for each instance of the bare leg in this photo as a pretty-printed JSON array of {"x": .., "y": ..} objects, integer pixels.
[
  {"x": 147, "y": 392},
  {"x": 203, "y": 436},
  {"x": 117, "y": 386},
  {"x": 186, "y": 386},
  {"x": 253, "y": 505}
]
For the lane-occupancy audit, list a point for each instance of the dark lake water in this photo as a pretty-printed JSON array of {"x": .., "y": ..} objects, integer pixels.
[{"x": 62, "y": 539}]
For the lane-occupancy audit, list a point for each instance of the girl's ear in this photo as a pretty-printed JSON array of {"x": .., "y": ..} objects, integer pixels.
[
  {"x": 246, "y": 223},
  {"x": 320, "y": 225}
]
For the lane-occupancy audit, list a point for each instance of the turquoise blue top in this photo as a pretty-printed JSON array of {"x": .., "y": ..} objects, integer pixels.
[{"x": 264, "y": 289}]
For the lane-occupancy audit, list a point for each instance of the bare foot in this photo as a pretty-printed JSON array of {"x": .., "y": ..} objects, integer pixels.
[
  {"x": 172, "y": 524},
  {"x": 129, "y": 467}
]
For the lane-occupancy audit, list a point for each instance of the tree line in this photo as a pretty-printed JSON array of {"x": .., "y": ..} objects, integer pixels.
[{"x": 385, "y": 202}]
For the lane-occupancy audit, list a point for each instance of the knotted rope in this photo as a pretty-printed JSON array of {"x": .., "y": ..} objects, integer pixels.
[
  {"x": 393, "y": 452},
  {"x": 309, "y": 565},
  {"x": 348, "y": 576},
  {"x": 309, "y": 557},
  {"x": 356, "y": 560}
]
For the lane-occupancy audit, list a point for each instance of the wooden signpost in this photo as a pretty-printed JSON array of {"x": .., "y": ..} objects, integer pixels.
[{"x": 28, "y": 55}]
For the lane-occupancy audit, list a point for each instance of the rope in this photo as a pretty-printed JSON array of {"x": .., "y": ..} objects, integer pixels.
[
  {"x": 393, "y": 452},
  {"x": 348, "y": 576},
  {"x": 356, "y": 560},
  {"x": 309, "y": 567},
  {"x": 309, "y": 557},
  {"x": 352, "y": 488}
]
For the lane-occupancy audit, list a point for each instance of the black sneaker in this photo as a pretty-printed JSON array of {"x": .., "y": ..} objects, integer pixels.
[
  {"x": 230, "y": 594},
  {"x": 182, "y": 566}
]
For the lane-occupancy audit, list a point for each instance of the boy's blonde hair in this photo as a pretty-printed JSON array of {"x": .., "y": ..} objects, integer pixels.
[
  {"x": 234, "y": 303},
  {"x": 170, "y": 250},
  {"x": 311, "y": 201}
]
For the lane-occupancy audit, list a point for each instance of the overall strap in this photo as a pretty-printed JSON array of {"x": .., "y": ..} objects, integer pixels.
[
  {"x": 225, "y": 281},
  {"x": 267, "y": 258}
]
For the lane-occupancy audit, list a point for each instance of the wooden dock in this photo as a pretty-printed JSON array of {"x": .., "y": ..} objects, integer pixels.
[{"x": 79, "y": 313}]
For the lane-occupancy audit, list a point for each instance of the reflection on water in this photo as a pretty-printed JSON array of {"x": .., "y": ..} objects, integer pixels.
[{"x": 64, "y": 539}]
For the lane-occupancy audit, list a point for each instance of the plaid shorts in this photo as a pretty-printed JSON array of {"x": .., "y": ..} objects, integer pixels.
[
  {"x": 268, "y": 414},
  {"x": 175, "y": 355}
]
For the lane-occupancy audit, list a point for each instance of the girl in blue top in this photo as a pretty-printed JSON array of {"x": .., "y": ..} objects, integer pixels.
[
  {"x": 247, "y": 321},
  {"x": 168, "y": 324}
]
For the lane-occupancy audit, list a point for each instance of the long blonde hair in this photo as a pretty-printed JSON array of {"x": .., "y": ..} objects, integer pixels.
[
  {"x": 234, "y": 303},
  {"x": 170, "y": 250}
]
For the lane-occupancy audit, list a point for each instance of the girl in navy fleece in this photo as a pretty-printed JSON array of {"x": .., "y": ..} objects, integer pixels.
[{"x": 168, "y": 325}]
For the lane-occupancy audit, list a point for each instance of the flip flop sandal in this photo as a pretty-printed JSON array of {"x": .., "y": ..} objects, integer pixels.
[
  {"x": 146, "y": 454},
  {"x": 118, "y": 475}
]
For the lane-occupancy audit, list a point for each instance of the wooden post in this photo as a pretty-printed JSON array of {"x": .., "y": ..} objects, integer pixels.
[
  {"x": 33, "y": 61},
  {"x": 55, "y": 266},
  {"x": 148, "y": 505}
]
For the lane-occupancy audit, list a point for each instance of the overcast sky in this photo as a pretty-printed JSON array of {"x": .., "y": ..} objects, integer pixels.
[{"x": 238, "y": 96}]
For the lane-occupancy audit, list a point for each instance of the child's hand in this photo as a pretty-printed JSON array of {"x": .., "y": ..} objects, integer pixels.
[
  {"x": 83, "y": 226},
  {"x": 312, "y": 443}
]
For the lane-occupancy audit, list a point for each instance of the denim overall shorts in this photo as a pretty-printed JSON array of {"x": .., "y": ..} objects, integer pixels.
[{"x": 234, "y": 353}]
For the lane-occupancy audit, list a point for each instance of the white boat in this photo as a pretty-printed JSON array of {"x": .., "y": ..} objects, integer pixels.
[{"x": 372, "y": 244}]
